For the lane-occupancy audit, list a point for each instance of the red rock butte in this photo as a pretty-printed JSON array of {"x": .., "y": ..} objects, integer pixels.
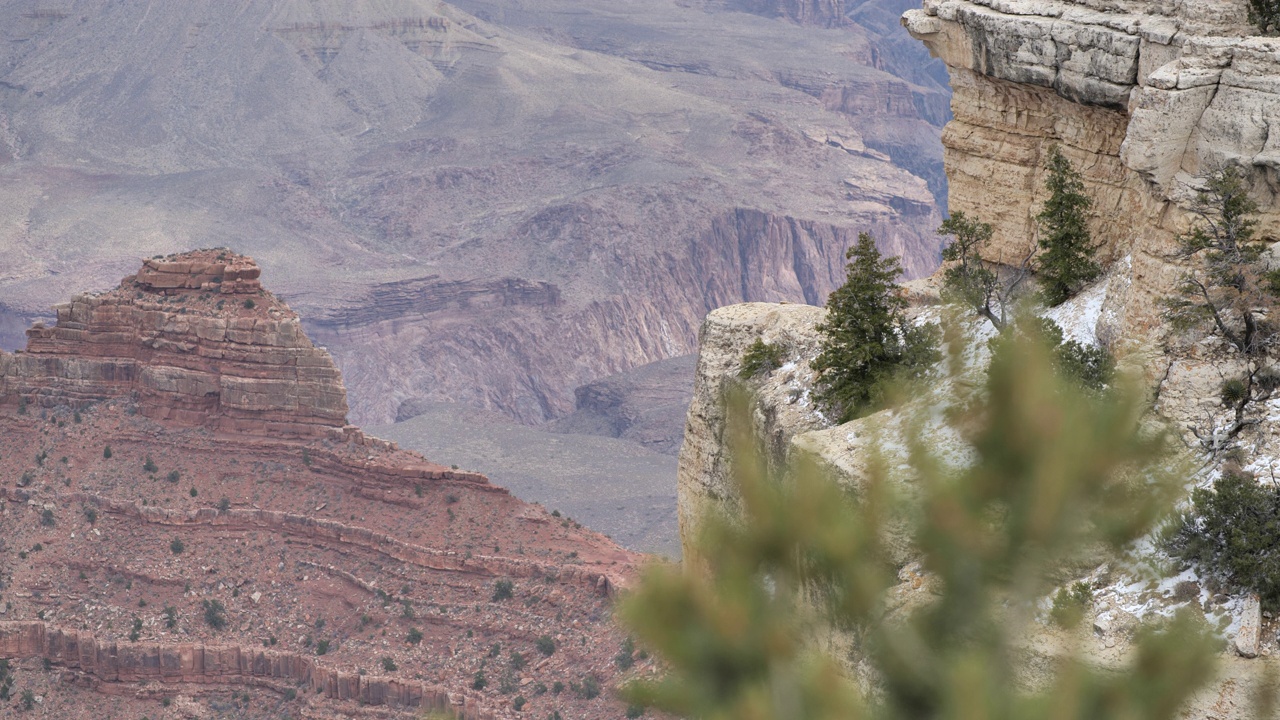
[
  {"x": 196, "y": 340},
  {"x": 189, "y": 524}
]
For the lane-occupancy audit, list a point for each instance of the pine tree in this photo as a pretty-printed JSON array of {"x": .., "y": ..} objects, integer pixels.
[
  {"x": 866, "y": 339},
  {"x": 1067, "y": 262}
]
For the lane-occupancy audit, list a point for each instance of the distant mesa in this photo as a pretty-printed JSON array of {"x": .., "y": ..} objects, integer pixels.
[{"x": 195, "y": 340}]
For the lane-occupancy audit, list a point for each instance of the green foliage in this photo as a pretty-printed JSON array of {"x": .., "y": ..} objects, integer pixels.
[
  {"x": 517, "y": 660},
  {"x": 170, "y": 617},
  {"x": 866, "y": 341},
  {"x": 989, "y": 288},
  {"x": 46, "y": 518},
  {"x": 1070, "y": 604},
  {"x": 1233, "y": 533},
  {"x": 518, "y": 703},
  {"x": 28, "y": 699},
  {"x": 626, "y": 656},
  {"x": 545, "y": 645},
  {"x": 414, "y": 637},
  {"x": 149, "y": 465},
  {"x": 389, "y": 664},
  {"x": 1067, "y": 262},
  {"x": 214, "y": 614},
  {"x": 761, "y": 357},
  {"x": 177, "y": 546},
  {"x": 224, "y": 504},
  {"x": 502, "y": 590},
  {"x": 174, "y": 476},
  {"x": 588, "y": 689},
  {"x": 90, "y": 514},
  {"x": 249, "y": 304},
  {"x": 1230, "y": 292},
  {"x": 1089, "y": 366},
  {"x": 6, "y": 679},
  {"x": 1265, "y": 15},
  {"x": 1050, "y": 471},
  {"x": 106, "y": 452},
  {"x": 136, "y": 631},
  {"x": 322, "y": 647},
  {"x": 478, "y": 682}
]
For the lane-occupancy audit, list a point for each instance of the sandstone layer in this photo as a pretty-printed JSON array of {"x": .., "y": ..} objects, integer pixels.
[{"x": 191, "y": 529}]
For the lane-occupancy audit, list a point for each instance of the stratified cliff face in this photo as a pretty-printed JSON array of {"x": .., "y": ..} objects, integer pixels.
[
  {"x": 186, "y": 517},
  {"x": 196, "y": 339}
]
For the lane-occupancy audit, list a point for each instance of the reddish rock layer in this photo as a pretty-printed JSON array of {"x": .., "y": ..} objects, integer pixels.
[
  {"x": 196, "y": 340},
  {"x": 191, "y": 664},
  {"x": 376, "y": 583}
]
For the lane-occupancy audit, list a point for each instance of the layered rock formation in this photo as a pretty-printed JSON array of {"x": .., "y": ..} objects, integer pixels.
[
  {"x": 188, "y": 519},
  {"x": 196, "y": 340}
]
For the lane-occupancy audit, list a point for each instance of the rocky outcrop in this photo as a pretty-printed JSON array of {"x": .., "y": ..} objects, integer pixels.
[
  {"x": 194, "y": 664},
  {"x": 196, "y": 340}
]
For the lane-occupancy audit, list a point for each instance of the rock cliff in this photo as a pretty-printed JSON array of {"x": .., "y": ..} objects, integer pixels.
[
  {"x": 187, "y": 518},
  {"x": 1145, "y": 99}
]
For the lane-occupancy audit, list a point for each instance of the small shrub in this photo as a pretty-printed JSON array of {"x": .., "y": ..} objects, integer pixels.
[
  {"x": 634, "y": 711},
  {"x": 502, "y": 590},
  {"x": 214, "y": 614},
  {"x": 478, "y": 682},
  {"x": 1232, "y": 532},
  {"x": 588, "y": 689},
  {"x": 249, "y": 304},
  {"x": 224, "y": 505},
  {"x": 496, "y": 650},
  {"x": 46, "y": 518},
  {"x": 1070, "y": 604},
  {"x": 290, "y": 695},
  {"x": 28, "y": 699},
  {"x": 177, "y": 546},
  {"x": 414, "y": 637},
  {"x": 389, "y": 664},
  {"x": 22, "y": 406},
  {"x": 517, "y": 661},
  {"x": 106, "y": 452},
  {"x": 545, "y": 645},
  {"x": 170, "y": 617},
  {"x": 91, "y": 514},
  {"x": 136, "y": 631},
  {"x": 451, "y": 499},
  {"x": 149, "y": 465},
  {"x": 75, "y": 417},
  {"x": 1265, "y": 15},
  {"x": 518, "y": 703},
  {"x": 322, "y": 647},
  {"x": 194, "y": 492},
  {"x": 761, "y": 357},
  {"x": 557, "y": 687},
  {"x": 174, "y": 476},
  {"x": 626, "y": 656}
]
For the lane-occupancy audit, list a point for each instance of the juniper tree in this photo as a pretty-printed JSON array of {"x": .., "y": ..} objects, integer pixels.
[
  {"x": 988, "y": 287},
  {"x": 1067, "y": 262},
  {"x": 866, "y": 339},
  {"x": 1230, "y": 292}
]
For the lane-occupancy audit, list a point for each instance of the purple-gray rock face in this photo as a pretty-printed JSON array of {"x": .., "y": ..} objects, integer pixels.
[{"x": 481, "y": 202}]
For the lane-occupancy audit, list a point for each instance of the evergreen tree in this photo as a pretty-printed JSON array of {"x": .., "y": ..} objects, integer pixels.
[
  {"x": 1231, "y": 292},
  {"x": 1067, "y": 262},
  {"x": 866, "y": 340},
  {"x": 989, "y": 288}
]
